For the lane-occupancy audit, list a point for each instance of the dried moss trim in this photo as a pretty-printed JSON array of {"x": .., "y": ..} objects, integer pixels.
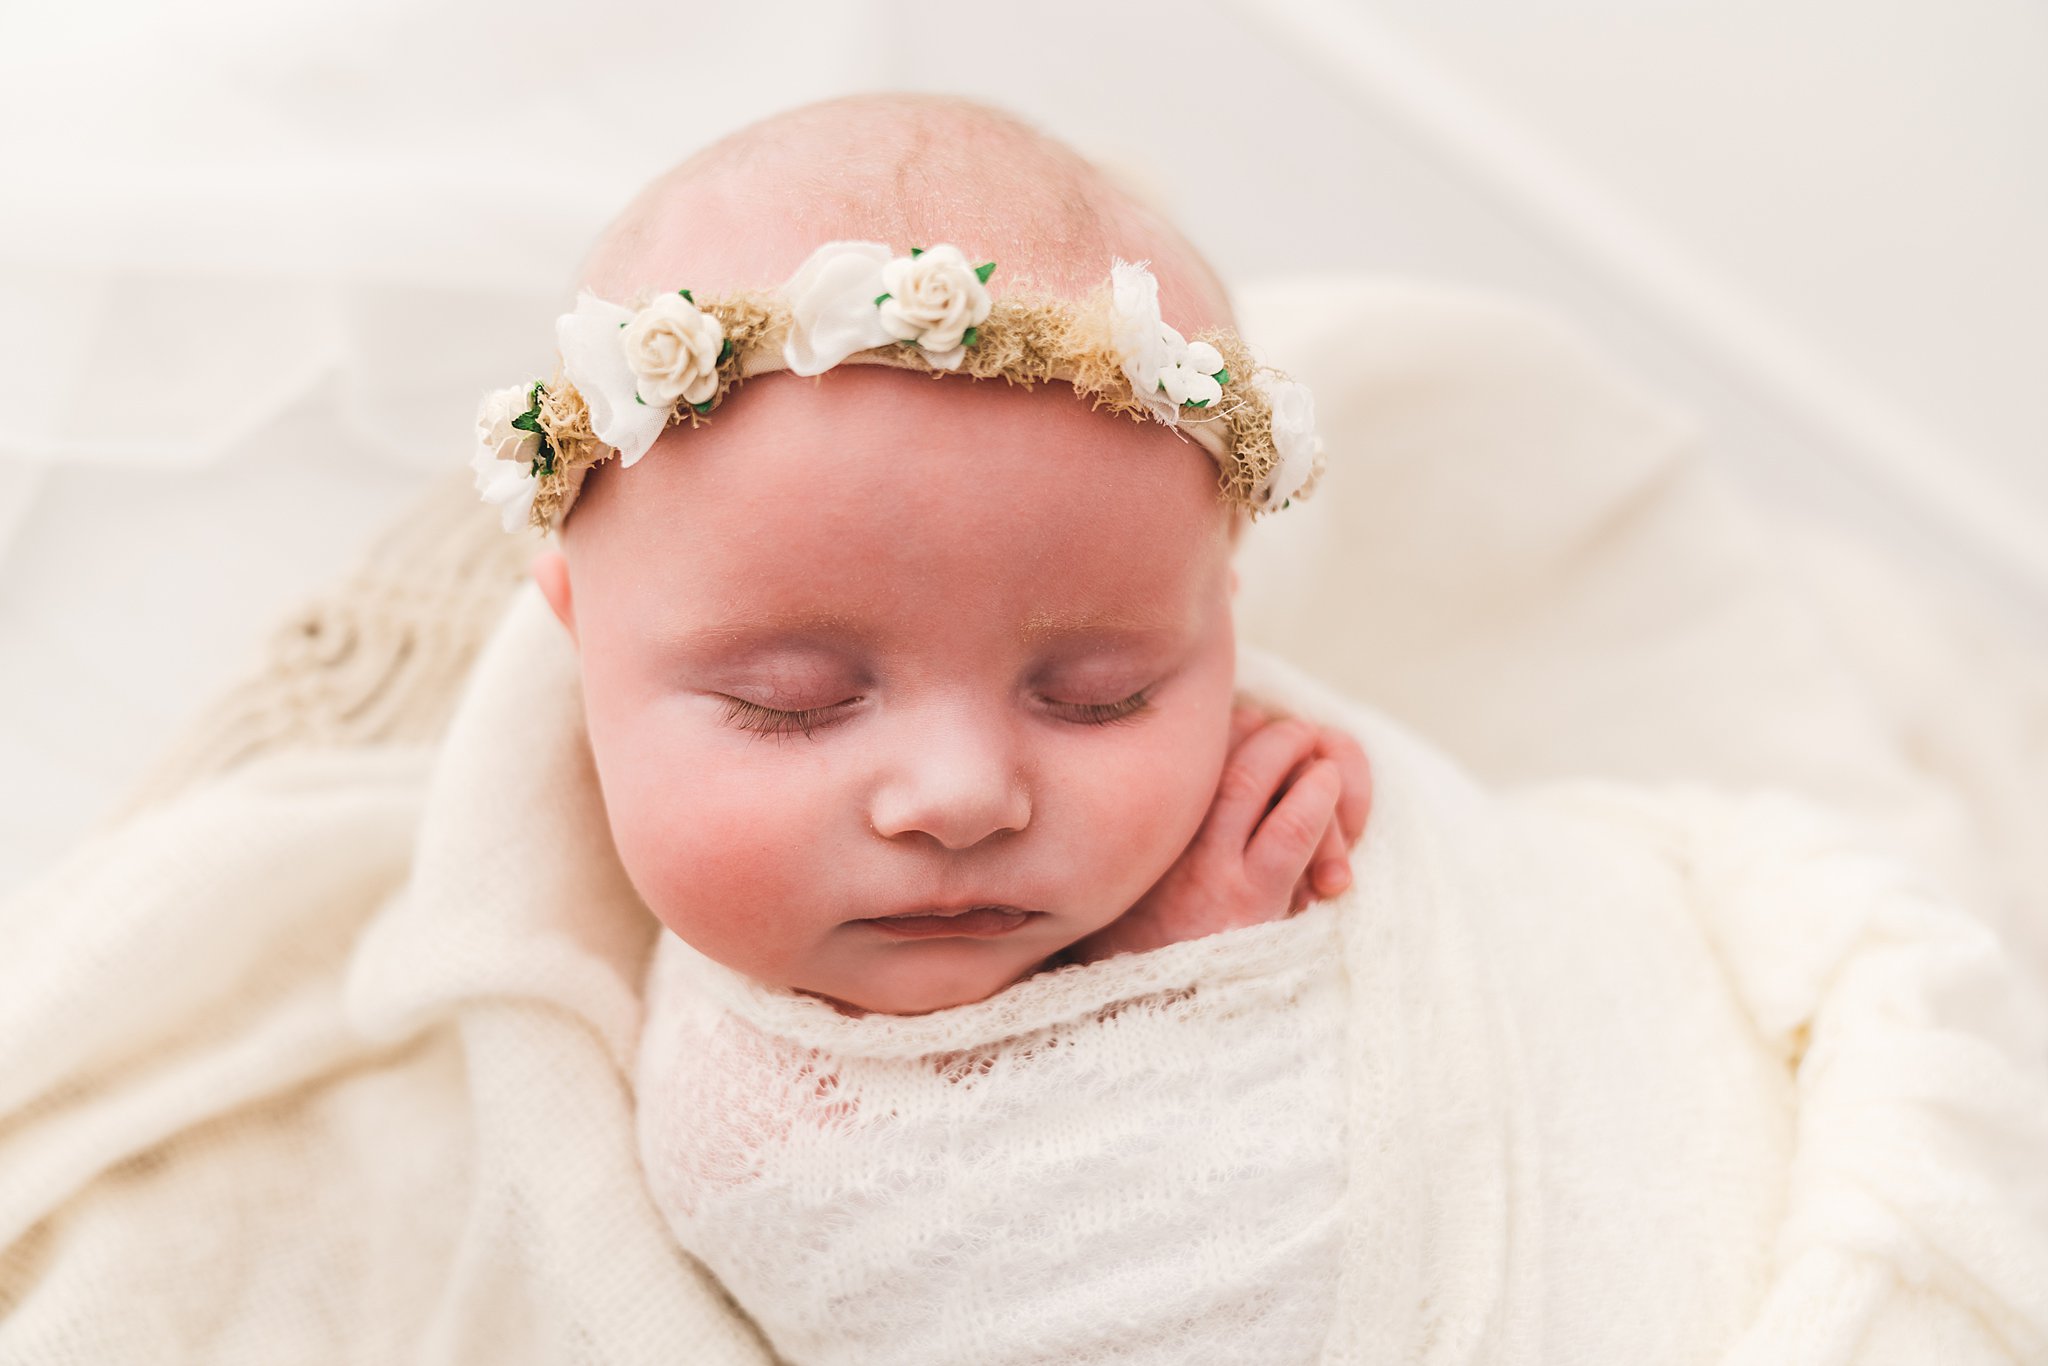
[{"x": 1026, "y": 339}]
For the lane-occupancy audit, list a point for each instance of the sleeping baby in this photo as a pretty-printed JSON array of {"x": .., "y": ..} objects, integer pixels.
[{"x": 1023, "y": 997}]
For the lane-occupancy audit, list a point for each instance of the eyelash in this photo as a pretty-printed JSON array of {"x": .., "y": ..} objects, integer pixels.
[
  {"x": 769, "y": 721},
  {"x": 762, "y": 720}
]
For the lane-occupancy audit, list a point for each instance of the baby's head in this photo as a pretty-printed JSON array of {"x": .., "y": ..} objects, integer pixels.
[{"x": 872, "y": 644}]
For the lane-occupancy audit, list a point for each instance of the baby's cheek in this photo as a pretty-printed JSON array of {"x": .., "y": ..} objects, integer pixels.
[
  {"x": 1140, "y": 810},
  {"x": 728, "y": 855}
]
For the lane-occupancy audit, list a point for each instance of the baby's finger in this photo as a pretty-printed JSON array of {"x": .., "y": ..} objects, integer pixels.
[
  {"x": 1329, "y": 869},
  {"x": 1287, "y": 837},
  {"x": 1252, "y": 780},
  {"x": 1355, "y": 802}
]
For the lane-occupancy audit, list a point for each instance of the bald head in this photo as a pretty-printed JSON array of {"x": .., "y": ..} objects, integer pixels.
[{"x": 904, "y": 169}]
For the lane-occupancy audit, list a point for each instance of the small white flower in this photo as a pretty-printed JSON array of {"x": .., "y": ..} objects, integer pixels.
[
  {"x": 1294, "y": 437},
  {"x": 594, "y": 359},
  {"x": 1140, "y": 338},
  {"x": 1201, "y": 358},
  {"x": 1191, "y": 377},
  {"x": 933, "y": 298},
  {"x": 504, "y": 455},
  {"x": 673, "y": 347},
  {"x": 832, "y": 306},
  {"x": 1165, "y": 369}
]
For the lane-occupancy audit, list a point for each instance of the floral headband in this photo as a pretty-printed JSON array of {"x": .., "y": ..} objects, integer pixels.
[{"x": 626, "y": 373}]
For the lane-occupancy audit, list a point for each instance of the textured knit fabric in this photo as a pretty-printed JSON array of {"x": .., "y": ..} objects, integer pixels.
[
  {"x": 331, "y": 1060},
  {"x": 1141, "y": 1160}
]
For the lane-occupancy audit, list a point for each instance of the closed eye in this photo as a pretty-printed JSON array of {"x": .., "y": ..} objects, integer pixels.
[
  {"x": 1104, "y": 713},
  {"x": 751, "y": 716}
]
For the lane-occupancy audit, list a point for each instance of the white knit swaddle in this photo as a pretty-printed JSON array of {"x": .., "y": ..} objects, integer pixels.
[{"x": 1141, "y": 1160}]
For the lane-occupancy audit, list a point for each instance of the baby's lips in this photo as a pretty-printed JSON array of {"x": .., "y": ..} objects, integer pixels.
[
  {"x": 929, "y": 910},
  {"x": 984, "y": 921}
]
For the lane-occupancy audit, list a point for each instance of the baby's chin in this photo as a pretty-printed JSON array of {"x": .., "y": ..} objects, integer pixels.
[{"x": 919, "y": 978}]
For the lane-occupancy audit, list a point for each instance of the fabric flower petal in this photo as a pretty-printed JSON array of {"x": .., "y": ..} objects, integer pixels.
[
  {"x": 1294, "y": 437},
  {"x": 1135, "y": 332},
  {"x": 1197, "y": 386},
  {"x": 594, "y": 359},
  {"x": 832, "y": 306},
  {"x": 503, "y": 458},
  {"x": 1202, "y": 358},
  {"x": 1173, "y": 384}
]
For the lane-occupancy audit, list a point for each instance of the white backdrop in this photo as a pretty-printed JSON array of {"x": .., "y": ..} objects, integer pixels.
[{"x": 256, "y": 261}]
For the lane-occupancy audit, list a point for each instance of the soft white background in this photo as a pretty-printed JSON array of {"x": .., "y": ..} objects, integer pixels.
[{"x": 257, "y": 260}]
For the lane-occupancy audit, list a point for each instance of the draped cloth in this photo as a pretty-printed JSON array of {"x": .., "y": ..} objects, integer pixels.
[{"x": 331, "y": 1059}]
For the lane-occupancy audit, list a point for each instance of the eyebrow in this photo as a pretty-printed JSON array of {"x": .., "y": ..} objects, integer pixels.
[
  {"x": 759, "y": 629},
  {"x": 1043, "y": 627}
]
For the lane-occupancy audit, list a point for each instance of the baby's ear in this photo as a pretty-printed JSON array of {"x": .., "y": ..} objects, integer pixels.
[{"x": 551, "y": 572}]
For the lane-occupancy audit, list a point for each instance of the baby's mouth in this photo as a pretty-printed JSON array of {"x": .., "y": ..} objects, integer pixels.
[{"x": 972, "y": 922}]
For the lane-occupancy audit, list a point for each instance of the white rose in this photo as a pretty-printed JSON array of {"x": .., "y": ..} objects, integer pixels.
[
  {"x": 1294, "y": 437},
  {"x": 672, "y": 347},
  {"x": 832, "y": 311},
  {"x": 504, "y": 455},
  {"x": 1141, "y": 340},
  {"x": 932, "y": 299},
  {"x": 594, "y": 360}
]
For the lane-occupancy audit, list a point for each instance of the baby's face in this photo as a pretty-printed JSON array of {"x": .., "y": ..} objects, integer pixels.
[{"x": 879, "y": 644}]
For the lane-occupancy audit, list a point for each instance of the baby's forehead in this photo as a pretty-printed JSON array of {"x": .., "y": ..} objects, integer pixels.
[{"x": 887, "y": 494}]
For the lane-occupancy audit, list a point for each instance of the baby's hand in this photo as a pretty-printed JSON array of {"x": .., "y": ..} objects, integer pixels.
[{"x": 1292, "y": 800}]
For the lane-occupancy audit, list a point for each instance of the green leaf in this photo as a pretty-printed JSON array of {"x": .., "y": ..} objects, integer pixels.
[
  {"x": 984, "y": 270},
  {"x": 725, "y": 351},
  {"x": 639, "y": 400},
  {"x": 916, "y": 252},
  {"x": 686, "y": 294},
  {"x": 544, "y": 459},
  {"x": 1203, "y": 404},
  {"x": 971, "y": 336},
  {"x": 529, "y": 421},
  {"x": 703, "y": 407},
  {"x": 880, "y": 297},
  {"x": 623, "y": 324},
  {"x": 1221, "y": 377}
]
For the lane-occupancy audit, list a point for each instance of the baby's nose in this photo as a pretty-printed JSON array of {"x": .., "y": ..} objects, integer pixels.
[{"x": 958, "y": 785}]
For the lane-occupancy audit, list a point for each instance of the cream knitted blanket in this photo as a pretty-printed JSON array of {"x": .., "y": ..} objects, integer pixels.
[
  {"x": 330, "y": 1060},
  {"x": 1143, "y": 1160}
]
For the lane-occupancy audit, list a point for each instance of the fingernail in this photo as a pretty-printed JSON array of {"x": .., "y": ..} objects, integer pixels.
[{"x": 1334, "y": 875}]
